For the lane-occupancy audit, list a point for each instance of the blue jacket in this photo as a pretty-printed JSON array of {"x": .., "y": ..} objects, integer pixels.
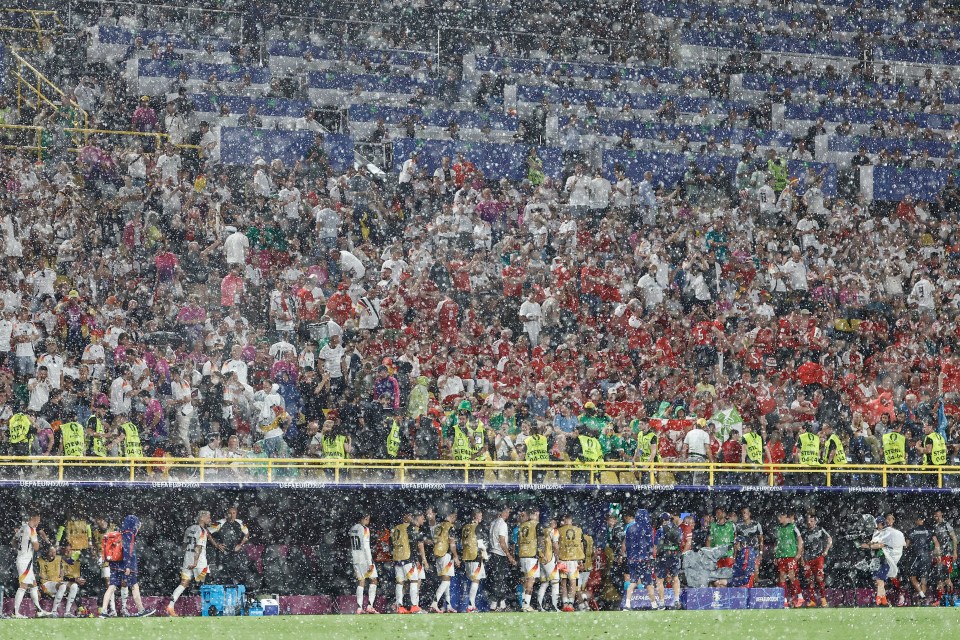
[
  {"x": 639, "y": 538},
  {"x": 744, "y": 565},
  {"x": 128, "y": 532}
]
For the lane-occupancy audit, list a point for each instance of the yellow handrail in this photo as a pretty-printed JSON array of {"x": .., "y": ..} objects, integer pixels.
[
  {"x": 489, "y": 472},
  {"x": 40, "y": 81},
  {"x": 86, "y": 133},
  {"x": 37, "y": 29}
]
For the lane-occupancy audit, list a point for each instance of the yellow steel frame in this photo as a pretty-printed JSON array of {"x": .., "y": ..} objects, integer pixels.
[
  {"x": 491, "y": 472},
  {"x": 38, "y": 28},
  {"x": 36, "y": 83},
  {"x": 38, "y": 147}
]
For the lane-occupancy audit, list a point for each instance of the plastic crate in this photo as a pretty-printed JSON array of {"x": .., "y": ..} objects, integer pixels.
[{"x": 212, "y": 598}]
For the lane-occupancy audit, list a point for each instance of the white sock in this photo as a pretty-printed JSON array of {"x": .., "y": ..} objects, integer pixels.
[
  {"x": 124, "y": 593},
  {"x": 18, "y": 599},
  {"x": 371, "y": 594},
  {"x": 541, "y": 592},
  {"x": 35, "y": 596},
  {"x": 360, "y": 595},
  {"x": 526, "y": 599},
  {"x": 399, "y": 594},
  {"x": 474, "y": 587},
  {"x": 555, "y": 594},
  {"x": 414, "y": 594},
  {"x": 112, "y": 604},
  {"x": 71, "y": 596},
  {"x": 61, "y": 592},
  {"x": 176, "y": 594},
  {"x": 443, "y": 589}
]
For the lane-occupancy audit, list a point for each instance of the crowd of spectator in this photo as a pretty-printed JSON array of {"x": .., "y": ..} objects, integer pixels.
[{"x": 272, "y": 309}]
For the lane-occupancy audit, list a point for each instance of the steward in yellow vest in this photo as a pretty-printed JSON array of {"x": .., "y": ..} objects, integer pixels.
[
  {"x": 807, "y": 447},
  {"x": 894, "y": 446},
  {"x": 752, "y": 446}
]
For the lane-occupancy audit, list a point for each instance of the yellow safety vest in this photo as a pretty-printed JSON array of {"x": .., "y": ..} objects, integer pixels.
[
  {"x": 441, "y": 539},
  {"x": 840, "y": 457},
  {"x": 571, "y": 543},
  {"x": 537, "y": 448},
  {"x": 78, "y": 534},
  {"x": 527, "y": 540},
  {"x": 467, "y": 444},
  {"x": 400, "y": 540},
  {"x": 131, "y": 441},
  {"x": 809, "y": 449},
  {"x": 97, "y": 446},
  {"x": 894, "y": 448},
  {"x": 333, "y": 447},
  {"x": 74, "y": 442},
  {"x": 588, "y": 551},
  {"x": 590, "y": 449},
  {"x": 938, "y": 454},
  {"x": 754, "y": 442},
  {"x": 19, "y": 427},
  {"x": 546, "y": 544},
  {"x": 393, "y": 441},
  {"x": 468, "y": 539},
  {"x": 647, "y": 446}
]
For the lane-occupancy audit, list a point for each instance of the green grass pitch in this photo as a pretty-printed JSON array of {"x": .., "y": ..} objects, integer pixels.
[{"x": 928, "y": 624}]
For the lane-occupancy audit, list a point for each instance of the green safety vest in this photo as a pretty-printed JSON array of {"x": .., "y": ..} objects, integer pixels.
[
  {"x": 840, "y": 457},
  {"x": 466, "y": 445},
  {"x": 754, "y": 442},
  {"x": 537, "y": 448},
  {"x": 19, "y": 428},
  {"x": 938, "y": 454},
  {"x": 786, "y": 541},
  {"x": 723, "y": 534},
  {"x": 393, "y": 441},
  {"x": 333, "y": 447},
  {"x": 894, "y": 448},
  {"x": 590, "y": 449},
  {"x": 779, "y": 173},
  {"x": 809, "y": 449},
  {"x": 647, "y": 446},
  {"x": 97, "y": 446},
  {"x": 74, "y": 442},
  {"x": 131, "y": 441}
]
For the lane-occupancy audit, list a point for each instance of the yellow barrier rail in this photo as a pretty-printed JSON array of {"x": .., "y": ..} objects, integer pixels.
[
  {"x": 29, "y": 77},
  {"x": 80, "y": 134},
  {"x": 41, "y": 22},
  {"x": 489, "y": 472}
]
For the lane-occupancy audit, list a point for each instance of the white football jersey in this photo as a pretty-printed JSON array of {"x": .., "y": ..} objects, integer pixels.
[
  {"x": 360, "y": 545},
  {"x": 26, "y": 536},
  {"x": 195, "y": 536}
]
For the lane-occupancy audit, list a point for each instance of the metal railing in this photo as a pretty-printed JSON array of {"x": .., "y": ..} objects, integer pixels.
[
  {"x": 336, "y": 471},
  {"x": 29, "y": 77},
  {"x": 31, "y": 24},
  {"x": 79, "y": 135}
]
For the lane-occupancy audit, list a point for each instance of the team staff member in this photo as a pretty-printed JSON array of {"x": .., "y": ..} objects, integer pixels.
[
  {"x": 405, "y": 537},
  {"x": 447, "y": 560},
  {"x": 571, "y": 555},
  {"x": 548, "y": 551},
  {"x": 529, "y": 558},
  {"x": 752, "y": 534},
  {"x": 722, "y": 532},
  {"x": 583, "y": 579},
  {"x": 923, "y": 546},
  {"x": 787, "y": 554},
  {"x": 125, "y": 569},
  {"x": 101, "y": 528},
  {"x": 54, "y": 582},
  {"x": 473, "y": 557},
  {"x": 888, "y": 543},
  {"x": 948, "y": 552},
  {"x": 364, "y": 569},
  {"x": 500, "y": 583},
  {"x": 816, "y": 545},
  {"x": 669, "y": 538}
]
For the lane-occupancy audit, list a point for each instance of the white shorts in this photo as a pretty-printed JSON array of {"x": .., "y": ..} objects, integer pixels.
[
  {"x": 549, "y": 571},
  {"x": 476, "y": 571},
  {"x": 365, "y": 571},
  {"x": 406, "y": 571},
  {"x": 582, "y": 578},
  {"x": 529, "y": 567},
  {"x": 50, "y": 588},
  {"x": 25, "y": 572},
  {"x": 445, "y": 567},
  {"x": 198, "y": 573},
  {"x": 569, "y": 568}
]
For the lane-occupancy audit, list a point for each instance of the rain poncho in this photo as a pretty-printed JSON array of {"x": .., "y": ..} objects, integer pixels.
[{"x": 700, "y": 567}]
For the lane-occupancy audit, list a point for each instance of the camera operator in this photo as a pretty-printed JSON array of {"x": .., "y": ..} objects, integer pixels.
[{"x": 888, "y": 542}]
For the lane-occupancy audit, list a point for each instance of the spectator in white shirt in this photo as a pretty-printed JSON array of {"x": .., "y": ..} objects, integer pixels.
[
  {"x": 39, "y": 389},
  {"x": 794, "y": 271},
  {"x": 532, "y": 317},
  {"x": 235, "y": 247},
  {"x": 53, "y": 362},
  {"x": 578, "y": 190},
  {"x": 121, "y": 393},
  {"x": 600, "y": 189},
  {"x": 922, "y": 294}
]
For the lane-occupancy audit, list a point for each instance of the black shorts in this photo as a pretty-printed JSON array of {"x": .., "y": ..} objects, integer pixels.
[{"x": 921, "y": 568}]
